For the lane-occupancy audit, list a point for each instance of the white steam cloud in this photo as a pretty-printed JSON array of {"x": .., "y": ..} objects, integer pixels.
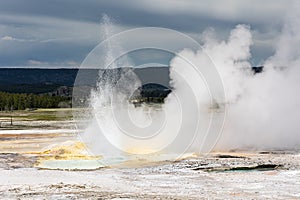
[{"x": 263, "y": 109}]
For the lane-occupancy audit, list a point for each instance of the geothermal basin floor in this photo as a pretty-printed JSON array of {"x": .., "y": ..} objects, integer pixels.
[{"x": 219, "y": 175}]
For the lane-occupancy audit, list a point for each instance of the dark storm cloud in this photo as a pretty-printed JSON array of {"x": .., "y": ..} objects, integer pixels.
[
  {"x": 126, "y": 14},
  {"x": 194, "y": 15},
  {"x": 64, "y": 31}
]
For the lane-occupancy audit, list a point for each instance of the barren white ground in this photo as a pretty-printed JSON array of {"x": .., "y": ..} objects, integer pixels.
[
  {"x": 216, "y": 176},
  {"x": 177, "y": 180}
]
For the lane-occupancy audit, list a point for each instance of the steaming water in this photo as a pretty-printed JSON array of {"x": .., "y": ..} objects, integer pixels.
[
  {"x": 263, "y": 109},
  {"x": 120, "y": 131}
]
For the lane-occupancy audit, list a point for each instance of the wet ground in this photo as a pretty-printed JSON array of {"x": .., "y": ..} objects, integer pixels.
[
  {"x": 219, "y": 175},
  {"x": 274, "y": 175}
]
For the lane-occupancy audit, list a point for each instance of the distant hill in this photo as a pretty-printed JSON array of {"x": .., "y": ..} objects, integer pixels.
[
  {"x": 28, "y": 80},
  {"x": 150, "y": 93},
  {"x": 37, "y": 76}
]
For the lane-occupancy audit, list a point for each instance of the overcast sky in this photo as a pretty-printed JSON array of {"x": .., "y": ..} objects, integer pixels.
[{"x": 60, "y": 33}]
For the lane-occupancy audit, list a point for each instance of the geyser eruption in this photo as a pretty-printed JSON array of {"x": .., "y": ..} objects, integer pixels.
[
  {"x": 187, "y": 122},
  {"x": 263, "y": 109}
]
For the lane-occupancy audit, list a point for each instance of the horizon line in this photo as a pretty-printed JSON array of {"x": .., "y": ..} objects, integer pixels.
[{"x": 27, "y": 67}]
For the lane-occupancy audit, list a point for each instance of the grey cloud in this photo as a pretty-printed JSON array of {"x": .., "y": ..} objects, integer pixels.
[
  {"x": 167, "y": 13},
  {"x": 59, "y": 31}
]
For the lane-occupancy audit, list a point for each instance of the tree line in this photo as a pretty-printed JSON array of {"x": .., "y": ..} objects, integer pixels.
[{"x": 12, "y": 101}]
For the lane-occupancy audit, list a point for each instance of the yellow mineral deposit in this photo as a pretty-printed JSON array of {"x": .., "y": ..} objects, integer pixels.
[
  {"x": 140, "y": 151},
  {"x": 71, "y": 155}
]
